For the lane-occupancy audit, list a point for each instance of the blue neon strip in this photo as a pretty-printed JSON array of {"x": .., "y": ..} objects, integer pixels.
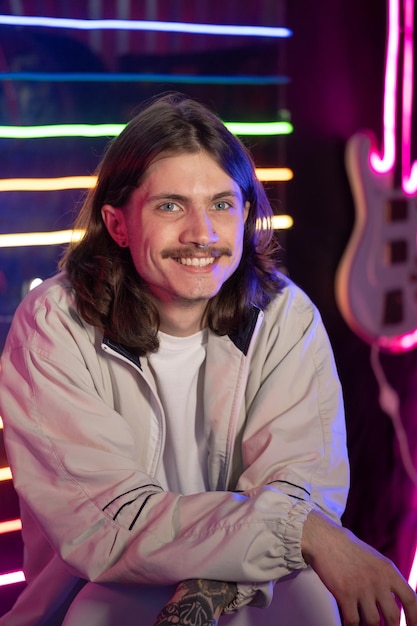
[
  {"x": 135, "y": 78},
  {"x": 171, "y": 27}
]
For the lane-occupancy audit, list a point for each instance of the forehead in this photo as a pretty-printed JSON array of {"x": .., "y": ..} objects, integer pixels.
[{"x": 196, "y": 172}]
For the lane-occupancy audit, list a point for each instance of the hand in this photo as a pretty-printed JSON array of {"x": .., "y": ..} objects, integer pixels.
[
  {"x": 197, "y": 603},
  {"x": 364, "y": 583}
]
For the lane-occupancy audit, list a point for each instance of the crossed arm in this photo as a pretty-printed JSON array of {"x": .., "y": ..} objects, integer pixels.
[
  {"x": 366, "y": 585},
  {"x": 197, "y": 603}
]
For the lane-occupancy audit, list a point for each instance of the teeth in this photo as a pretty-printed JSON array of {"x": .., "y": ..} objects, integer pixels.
[{"x": 197, "y": 262}]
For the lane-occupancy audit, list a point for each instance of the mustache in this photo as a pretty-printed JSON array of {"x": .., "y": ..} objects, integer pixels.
[{"x": 190, "y": 251}]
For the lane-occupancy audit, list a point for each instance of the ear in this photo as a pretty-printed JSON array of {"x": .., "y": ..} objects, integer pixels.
[
  {"x": 115, "y": 222},
  {"x": 246, "y": 211}
]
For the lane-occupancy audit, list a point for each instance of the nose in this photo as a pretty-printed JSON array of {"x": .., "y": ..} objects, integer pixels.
[{"x": 198, "y": 229}]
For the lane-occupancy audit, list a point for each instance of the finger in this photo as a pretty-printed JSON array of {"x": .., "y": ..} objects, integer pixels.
[
  {"x": 350, "y": 614},
  {"x": 406, "y": 597},
  {"x": 409, "y": 603},
  {"x": 370, "y": 615}
]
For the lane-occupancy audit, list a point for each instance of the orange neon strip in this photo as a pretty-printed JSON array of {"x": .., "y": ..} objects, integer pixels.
[
  {"x": 265, "y": 174},
  {"x": 53, "y": 238},
  {"x": 47, "y": 184},
  {"x": 10, "y": 526},
  {"x": 274, "y": 174},
  {"x": 5, "y": 473}
]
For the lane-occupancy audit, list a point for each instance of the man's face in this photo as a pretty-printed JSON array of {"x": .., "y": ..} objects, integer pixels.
[{"x": 184, "y": 226}]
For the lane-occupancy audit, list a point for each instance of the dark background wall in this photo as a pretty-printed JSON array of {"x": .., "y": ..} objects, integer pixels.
[{"x": 337, "y": 68}]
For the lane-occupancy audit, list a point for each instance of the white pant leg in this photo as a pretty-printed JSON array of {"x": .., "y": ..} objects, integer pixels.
[
  {"x": 117, "y": 605},
  {"x": 299, "y": 600}
]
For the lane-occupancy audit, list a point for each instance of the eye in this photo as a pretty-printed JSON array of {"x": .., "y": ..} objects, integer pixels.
[
  {"x": 169, "y": 207},
  {"x": 222, "y": 205}
]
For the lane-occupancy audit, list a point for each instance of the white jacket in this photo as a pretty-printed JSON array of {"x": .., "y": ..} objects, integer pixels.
[{"x": 77, "y": 425}]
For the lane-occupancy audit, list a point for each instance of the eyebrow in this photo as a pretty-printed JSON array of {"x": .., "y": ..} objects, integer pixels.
[{"x": 175, "y": 196}]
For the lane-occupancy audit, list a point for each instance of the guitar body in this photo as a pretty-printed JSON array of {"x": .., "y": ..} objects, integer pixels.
[{"x": 376, "y": 281}]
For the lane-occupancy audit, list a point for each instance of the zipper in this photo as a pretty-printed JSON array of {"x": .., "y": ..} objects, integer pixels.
[
  {"x": 256, "y": 324},
  {"x": 122, "y": 354}
]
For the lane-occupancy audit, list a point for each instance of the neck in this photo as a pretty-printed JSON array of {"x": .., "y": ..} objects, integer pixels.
[{"x": 181, "y": 320}]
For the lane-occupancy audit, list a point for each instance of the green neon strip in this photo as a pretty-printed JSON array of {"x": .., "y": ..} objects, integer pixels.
[
  {"x": 101, "y": 77},
  {"x": 61, "y": 130},
  {"x": 111, "y": 130}
]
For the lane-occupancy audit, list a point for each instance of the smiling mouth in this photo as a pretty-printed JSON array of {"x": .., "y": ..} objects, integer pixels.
[
  {"x": 196, "y": 261},
  {"x": 190, "y": 256}
]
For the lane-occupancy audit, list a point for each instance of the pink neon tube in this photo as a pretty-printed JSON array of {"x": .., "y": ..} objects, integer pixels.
[{"x": 385, "y": 162}]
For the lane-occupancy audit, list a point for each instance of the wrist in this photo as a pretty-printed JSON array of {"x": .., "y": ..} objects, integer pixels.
[{"x": 315, "y": 535}]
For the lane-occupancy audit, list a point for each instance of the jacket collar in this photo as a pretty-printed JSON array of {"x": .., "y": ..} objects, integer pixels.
[{"x": 241, "y": 338}]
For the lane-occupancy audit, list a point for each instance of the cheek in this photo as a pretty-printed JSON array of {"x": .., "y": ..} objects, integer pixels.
[
  {"x": 239, "y": 232},
  {"x": 145, "y": 253}
]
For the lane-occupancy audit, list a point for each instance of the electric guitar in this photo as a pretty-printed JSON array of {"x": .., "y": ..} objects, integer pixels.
[{"x": 376, "y": 281}]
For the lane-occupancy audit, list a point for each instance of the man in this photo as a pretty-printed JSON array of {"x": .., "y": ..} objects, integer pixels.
[{"x": 172, "y": 412}]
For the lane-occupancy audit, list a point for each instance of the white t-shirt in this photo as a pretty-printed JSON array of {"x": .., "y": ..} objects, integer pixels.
[{"x": 178, "y": 368}]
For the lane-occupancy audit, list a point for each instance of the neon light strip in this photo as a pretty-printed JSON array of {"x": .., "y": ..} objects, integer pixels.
[
  {"x": 61, "y": 130},
  {"x": 274, "y": 174},
  {"x": 111, "y": 130},
  {"x": 47, "y": 184},
  {"x": 167, "y": 27},
  {"x": 409, "y": 172},
  {"x": 385, "y": 162},
  {"x": 105, "y": 77},
  {"x": 399, "y": 344},
  {"x": 277, "y": 222},
  {"x": 265, "y": 174},
  {"x": 10, "y": 526},
  {"x": 18, "y": 240},
  {"x": 11, "y": 578},
  {"x": 1, "y": 423},
  {"x": 5, "y": 473}
]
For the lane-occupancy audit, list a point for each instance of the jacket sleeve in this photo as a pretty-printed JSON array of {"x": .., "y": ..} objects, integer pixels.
[
  {"x": 294, "y": 436},
  {"x": 76, "y": 468}
]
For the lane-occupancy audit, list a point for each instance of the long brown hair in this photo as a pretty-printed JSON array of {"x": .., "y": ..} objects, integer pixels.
[{"x": 109, "y": 292}]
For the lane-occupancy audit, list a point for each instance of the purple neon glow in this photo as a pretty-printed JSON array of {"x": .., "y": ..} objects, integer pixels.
[{"x": 171, "y": 27}]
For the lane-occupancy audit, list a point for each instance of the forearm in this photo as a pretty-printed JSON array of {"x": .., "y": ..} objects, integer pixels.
[
  {"x": 364, "y": 582},
  {"x": 197, "y": 603}
]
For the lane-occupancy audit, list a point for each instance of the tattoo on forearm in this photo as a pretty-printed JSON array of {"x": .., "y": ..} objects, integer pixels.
[{"x": 197, "y": 603}]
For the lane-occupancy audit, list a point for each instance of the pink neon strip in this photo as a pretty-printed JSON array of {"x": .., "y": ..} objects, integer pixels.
[
  {"x": 407, "y": 85},
  {"x": 409, "y": 173},
  {"x": 385, "y": 162},
  {"x": 11, "y": 578}
]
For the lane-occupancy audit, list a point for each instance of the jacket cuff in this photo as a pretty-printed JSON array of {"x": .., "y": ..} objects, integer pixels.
[
  {"x": 290, "y": 533},
  {"x": 255, "y": 594}
]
